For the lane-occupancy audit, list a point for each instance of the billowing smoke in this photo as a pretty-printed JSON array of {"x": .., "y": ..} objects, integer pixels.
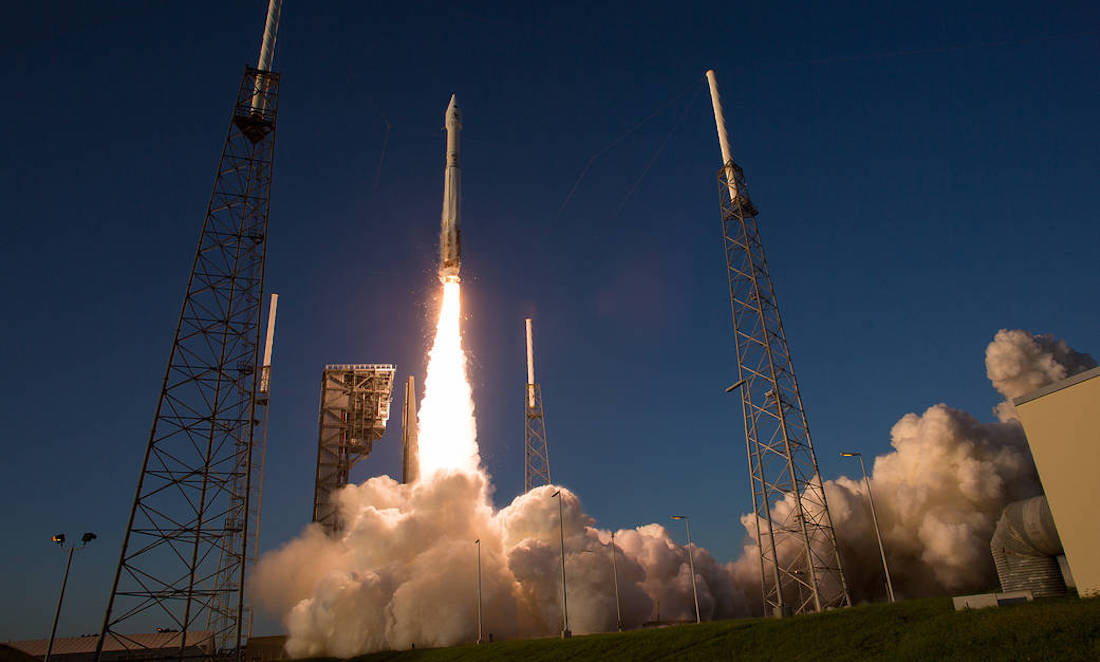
[
  {"x": 1018, "y": 362},
  {"x": 939, "y": 493},
  {"x": 404, "y": 569}
]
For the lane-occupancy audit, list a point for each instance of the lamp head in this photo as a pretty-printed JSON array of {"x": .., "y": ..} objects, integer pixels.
[
  {"x": 58, "y": 538},
  {"x": 679, "y": 517},
  {"x": 87, "y": 537},
  {"x": 850, "y": 454}
]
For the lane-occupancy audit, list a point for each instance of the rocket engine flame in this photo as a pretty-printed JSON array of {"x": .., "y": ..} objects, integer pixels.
[{"x": 448, "y": 431}]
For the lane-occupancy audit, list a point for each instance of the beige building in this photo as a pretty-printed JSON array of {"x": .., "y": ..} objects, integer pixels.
[{"x": 1062, "y": 422}]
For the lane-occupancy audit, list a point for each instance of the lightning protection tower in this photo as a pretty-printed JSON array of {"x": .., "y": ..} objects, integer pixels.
[
  {"x": 187, "y": 528},
  {"x": 410, "y": 449},
  {"x": 536, "y": 457},
  {"x": 251, "y": 484},
  {"x": 355, "y": 407},
  {"x": 799, "y": 560}
]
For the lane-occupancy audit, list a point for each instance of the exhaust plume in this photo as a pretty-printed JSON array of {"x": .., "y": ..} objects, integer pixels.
[
  {"x": 1018, "y": 363},
  {"x": 404, "y": 570}
]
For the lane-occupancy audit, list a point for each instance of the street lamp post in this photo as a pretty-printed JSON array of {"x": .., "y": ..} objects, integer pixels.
[
  {"x": 565, "y": 633},
  {"x": 478, "y": 543},
  {"x": 691, "y": 565},
  {"x": 60, "y": 540},
  {"x": 615, "y": 578},
  {"x": 874, "y": 519}
]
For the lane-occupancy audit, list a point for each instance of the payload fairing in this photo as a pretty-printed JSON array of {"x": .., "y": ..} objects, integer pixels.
[{"x": 450, "y": 237}]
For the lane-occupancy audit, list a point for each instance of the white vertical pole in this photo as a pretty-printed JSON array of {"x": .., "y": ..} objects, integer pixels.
[
  {"x": 271, "y": 29},
  {"x": 267, "y": 52},
  {"x": 530, "y": 366},
  {"x": 723, "y": 135},
  {"x": 265, "y": 367}
]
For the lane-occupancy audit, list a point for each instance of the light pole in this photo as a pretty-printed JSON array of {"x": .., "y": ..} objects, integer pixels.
[
  {"x": 691, "y": 564},
  {"x": 874, "y": 518},
  {"x": 565, "y": 633},
  {"x": 478, "y": 543},
  {"x": 615, "y": 578},
  {"x": 60, "y": 540}
]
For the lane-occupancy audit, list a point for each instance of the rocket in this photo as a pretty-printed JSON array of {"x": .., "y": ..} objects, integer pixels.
[{"x": 450, "y": 235}]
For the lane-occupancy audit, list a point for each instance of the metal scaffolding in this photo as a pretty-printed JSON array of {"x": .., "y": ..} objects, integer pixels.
[
  {"x": 355, "y": 407},
  {"x": 798, "y": 550},
  {"x": 251, "y": 484},
  {"x": 183, "y": 555},
  {"x": 536, "y": 456},
  {"x": 799, "y": 560}
]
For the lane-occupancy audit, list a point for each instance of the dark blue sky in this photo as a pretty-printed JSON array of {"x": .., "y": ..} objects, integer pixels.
[{"x": 925, "y": 176}]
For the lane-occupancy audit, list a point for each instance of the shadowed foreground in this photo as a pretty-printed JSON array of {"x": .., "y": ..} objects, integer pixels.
[{"x": 1061, "y": 629}]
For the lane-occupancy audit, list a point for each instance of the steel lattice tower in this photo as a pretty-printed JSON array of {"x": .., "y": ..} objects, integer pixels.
[
  {"x": 251, "y": 484},
  {"x": 536, "y": 457},
  {"x": 190, "y": 510},
  {"x": 799, "y": 559},
  {"x": 355, "y": 407}
]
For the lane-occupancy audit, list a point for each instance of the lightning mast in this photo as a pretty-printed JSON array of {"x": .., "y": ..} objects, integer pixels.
[
  {"x": 410, "y": 450},
  {"x": 536, "y": 457},
  {"x": 185, "y": 548},
  {"x": 799, "y": 560}
]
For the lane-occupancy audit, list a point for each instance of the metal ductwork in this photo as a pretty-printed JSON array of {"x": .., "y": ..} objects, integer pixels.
[{"x": 1026, "y": 547}]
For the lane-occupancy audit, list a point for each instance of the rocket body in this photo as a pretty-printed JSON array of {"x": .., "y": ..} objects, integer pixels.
[{"x": 450, "y": 236}]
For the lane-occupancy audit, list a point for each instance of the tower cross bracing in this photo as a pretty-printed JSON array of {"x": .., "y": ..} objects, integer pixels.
[
  {"x": 800, "y": 564},
  {"x": 355, "y": 407},
  {"x": 183, "y": 555},
  {"x": 536, "y": 457},
  {"x": 799, "y": 559}
]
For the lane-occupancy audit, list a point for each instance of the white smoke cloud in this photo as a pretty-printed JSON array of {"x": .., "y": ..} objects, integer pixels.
[
  {"x": 939, "y": 493},
  {"x": 404, "y": 569},
  {"x": 1018, "y": 362}
]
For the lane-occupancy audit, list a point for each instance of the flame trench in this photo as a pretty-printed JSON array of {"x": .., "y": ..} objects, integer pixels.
[{"x": 448, "y": 432}]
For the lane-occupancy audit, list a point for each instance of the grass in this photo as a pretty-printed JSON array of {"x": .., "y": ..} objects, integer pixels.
[{"x": 929, "y": 629}]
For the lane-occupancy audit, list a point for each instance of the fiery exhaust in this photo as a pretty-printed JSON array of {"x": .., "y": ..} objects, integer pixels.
[{"x": 448, "y": 433}]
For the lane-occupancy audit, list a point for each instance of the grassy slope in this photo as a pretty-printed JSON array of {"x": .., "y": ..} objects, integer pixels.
[{"x": 929, "y": 629}]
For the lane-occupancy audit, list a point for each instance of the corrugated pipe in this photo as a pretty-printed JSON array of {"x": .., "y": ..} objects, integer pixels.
[{"x": 1025, "y": 548}]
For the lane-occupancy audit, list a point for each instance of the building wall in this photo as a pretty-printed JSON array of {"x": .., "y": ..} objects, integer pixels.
[{"x": 1062, "y": 423}]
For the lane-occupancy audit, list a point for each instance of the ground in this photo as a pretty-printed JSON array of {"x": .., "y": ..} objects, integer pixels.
[{"x": 929, "y": 629}]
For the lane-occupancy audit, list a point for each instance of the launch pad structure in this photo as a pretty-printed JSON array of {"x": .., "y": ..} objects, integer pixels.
[
  {"x": 536, "y": 455},
  {"x": 800, "y": 563},
  {"x": 355, "y": 407},
  {"x": 184, "y": 554}
]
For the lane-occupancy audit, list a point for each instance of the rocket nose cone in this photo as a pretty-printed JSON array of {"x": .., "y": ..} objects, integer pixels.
[{"x": 452, "y": 111}]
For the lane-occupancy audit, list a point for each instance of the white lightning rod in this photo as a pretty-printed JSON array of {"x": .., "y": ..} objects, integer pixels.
[
  {"x": 723, "y": 135},
  {"x": 267, "y": 53},
  {"x": 530, "y": 366},
  {"x": 265, "y": 367},
  {"x": 271, "y": 30}
]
